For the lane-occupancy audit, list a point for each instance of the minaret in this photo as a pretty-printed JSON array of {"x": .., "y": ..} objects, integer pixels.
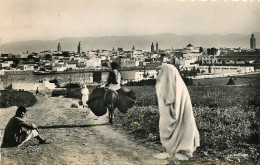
[
  {"x": 133, "y": 49},
  {"x": 113, "y": 49},
  {"x": 156, "y": 46},
  {"x": 79, "y": 48},
  {"x": 252, "y": 42},
  {"x": 152, "y": 47},
  {"x": 58, "y": 47}
]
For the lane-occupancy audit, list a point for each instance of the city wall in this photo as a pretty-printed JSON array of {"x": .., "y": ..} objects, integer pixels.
[{"x": 10, "y": 77}]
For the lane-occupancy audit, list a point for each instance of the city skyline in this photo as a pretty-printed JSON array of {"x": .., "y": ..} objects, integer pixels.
[
  {"x": 165, "y": 40},
  {"x": 52, "y": 20}
]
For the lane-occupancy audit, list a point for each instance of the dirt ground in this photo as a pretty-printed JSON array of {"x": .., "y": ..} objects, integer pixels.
[{"x": 96, "y": 144}]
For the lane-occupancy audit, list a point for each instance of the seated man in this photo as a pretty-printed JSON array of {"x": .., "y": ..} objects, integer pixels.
[{"x": 17, "y": 131}]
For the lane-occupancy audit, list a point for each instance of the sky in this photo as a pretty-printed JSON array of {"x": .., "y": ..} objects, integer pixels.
[{"x": 22, "y": 20}]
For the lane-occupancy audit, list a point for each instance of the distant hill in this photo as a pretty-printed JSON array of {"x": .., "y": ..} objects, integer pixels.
[{"x": 165, "y": 40}]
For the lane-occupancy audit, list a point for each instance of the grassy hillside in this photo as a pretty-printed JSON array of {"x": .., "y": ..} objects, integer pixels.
[
  {"x": 251, "y": 80},
  {"x": 227, "y": 117}
]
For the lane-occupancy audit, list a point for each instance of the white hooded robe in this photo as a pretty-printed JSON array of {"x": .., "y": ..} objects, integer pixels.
[{"x": 178, "y": 131}]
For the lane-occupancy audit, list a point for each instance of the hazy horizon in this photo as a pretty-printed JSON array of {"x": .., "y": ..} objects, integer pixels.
[
  {"x": 56, "y": 19},
  {"x": 128, "y": 36}
]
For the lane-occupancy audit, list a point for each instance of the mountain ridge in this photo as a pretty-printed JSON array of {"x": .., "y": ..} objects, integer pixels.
[{"x": 165, "y": 41}]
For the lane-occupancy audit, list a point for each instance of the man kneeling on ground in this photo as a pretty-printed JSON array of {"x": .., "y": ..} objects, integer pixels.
[{"x": 17, "y": 131}]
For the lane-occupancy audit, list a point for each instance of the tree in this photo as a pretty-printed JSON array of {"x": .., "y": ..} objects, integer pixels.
[
  {"x": 208, "y": 52},
  {"x": 201, "y": 49},
  {"x": 55, "y": 81},
  {"x": 105, "y": 64},
  {"x": 30, "y": 56},
  {"x": 212, "y": 51},
  {"x": 66, "y": 54},
  {"x": 48, "y": 57}
]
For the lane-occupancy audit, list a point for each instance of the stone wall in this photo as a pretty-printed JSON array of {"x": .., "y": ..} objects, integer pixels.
[
  {"x": 66, "y": 78},
  {"x": 10, "y": 77}
]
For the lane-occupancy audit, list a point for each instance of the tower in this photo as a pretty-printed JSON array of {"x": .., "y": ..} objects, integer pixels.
[
  {"x": 156, "y": 46},
  {"x": 58, "y": 47},
  {"x": 79, "y": 48},
  {"x": 152, "y": 47},
  {"x": 252, "y": 42},
  {"x": 133, "y": 49}
]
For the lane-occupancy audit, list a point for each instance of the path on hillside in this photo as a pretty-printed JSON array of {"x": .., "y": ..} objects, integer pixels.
[{"x": 103, "y": 144}]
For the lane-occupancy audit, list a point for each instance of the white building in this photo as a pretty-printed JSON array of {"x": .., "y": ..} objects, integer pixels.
[
  {"x": 191, "y": 49},
  {"x": 225, "y": 70},
  {"x": 103, "y": 57},
  {"x": 129, "y": 63},
  {"x": 182, "y": 62},
  {"x": 7, "y": 63},
  {"x": 59, "y": 67},
  {"x": 189, "y": 67},
  {"x": 24, "y": 55},
  {"x": 71, "y": 66},
  {"x": 137, "y": 75},
  {"x": 154, "y": 56},
  {"x": 92, "y": 54},
  {"x": 209, "y": 59},
  {"x": 33, "y": 86},
  {"x": 93, "y": 62},
  {"x": 137, "y": 54},
  {"x": 25, "y": 67},
  {"x": 193, "y": 57}
]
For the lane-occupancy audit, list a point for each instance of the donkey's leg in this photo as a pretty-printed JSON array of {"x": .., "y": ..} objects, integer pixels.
[{"x": 110, "y": 116}]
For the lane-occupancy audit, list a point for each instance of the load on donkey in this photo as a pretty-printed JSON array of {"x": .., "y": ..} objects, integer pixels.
[{"x": 111, "y": 96}]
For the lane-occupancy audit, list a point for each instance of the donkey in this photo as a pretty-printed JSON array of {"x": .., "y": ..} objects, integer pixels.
[{"x": 111, "y": 101}]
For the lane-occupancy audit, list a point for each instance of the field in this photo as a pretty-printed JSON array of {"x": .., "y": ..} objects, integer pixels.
[
  {"x": 242, "y": 80},
  {"x": 227, "y": 118}
]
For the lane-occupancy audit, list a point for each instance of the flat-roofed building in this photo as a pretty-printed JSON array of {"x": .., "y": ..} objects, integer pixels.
[
  {"x": 138, "y": 75},
  {"x": 225, "y": 70}
]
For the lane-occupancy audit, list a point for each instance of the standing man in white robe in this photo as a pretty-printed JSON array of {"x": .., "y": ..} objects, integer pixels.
[
  {"x": 178, "y": 131},
  {"x": 85, "y": 93}
]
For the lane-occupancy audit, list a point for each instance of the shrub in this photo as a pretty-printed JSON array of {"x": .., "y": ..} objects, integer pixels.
[
  {"x": 16, "y": 98},
  {"x": 231, "y": 82},
  {"x": 56, "y": 93},
  {"x": 141, "y": 121},
  {"x": 72, "y": 85},
  {"x": 73, "y": 90},
  {"x": 150, "y": 82},
  {"x": 55, "y": 81},
  {"x": 74, "y": 93},
  {"x": 73, "y": 106},
  {"x": 80, "y": 102},
  {"x": 187, "y": 81}
]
